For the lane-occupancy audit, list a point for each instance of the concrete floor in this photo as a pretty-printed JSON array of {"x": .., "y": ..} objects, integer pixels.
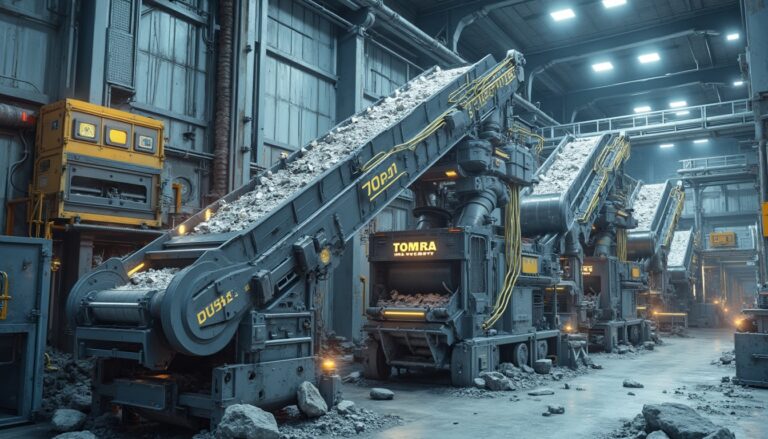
[
  {"x": 589, "y": 413},
  {"x": 430, "y": 411}
]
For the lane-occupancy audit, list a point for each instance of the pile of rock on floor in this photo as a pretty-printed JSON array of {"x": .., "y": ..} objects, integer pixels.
[
  {"x": 309, "y": 419},
  {"x": 670, "y": 421}
]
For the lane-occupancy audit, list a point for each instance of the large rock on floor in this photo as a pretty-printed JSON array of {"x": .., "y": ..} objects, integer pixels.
[
  {"x": 381, "y": 394},
  {"x": 542, "y": 367},
  {"x": 678, "y": 421},
  {"x": 721, "y": 433},
  {"x": 244, "y": 421},
  {"x": 76, "y": 435},
  {"x": 632, "y": 384},
  {"x": 541, "y": 392},
  {"x": 310, "y": 402},
  {"x": 509, "y": 370},
  {"x": 65, "y": 420},
  {"x": 345, "y": 407},
  {"x": 496, "y": 381}
]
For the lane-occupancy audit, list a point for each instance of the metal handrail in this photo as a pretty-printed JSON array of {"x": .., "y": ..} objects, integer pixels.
[{"x": 695, "y": 117}]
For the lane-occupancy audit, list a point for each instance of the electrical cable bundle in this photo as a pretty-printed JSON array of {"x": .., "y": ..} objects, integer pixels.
[{"x": 513, "y": 250}]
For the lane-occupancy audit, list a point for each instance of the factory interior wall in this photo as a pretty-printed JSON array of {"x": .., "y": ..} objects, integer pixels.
[{"x": 653, "y": 164}]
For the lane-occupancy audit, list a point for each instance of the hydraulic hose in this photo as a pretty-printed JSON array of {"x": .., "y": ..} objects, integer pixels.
[{"x": 513, "y": 253}]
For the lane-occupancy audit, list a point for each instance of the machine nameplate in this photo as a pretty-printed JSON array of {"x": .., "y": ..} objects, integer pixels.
[
  {"x": 215, "y": 307},
  {"x": 414, "y": 248},
  {"x": 381, "y": 181}
]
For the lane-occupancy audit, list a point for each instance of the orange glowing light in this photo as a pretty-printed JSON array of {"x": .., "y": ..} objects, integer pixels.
[
  {"x": 207, "y": 214},
  {"x": 404, "y": 313},
  {"x": 328, "y": 364},
  {"x": 135, "y": 269},
  {"x": 451, "y": 173},
  {"x": 182, "y": 229},
  {"x": 725, "y": 309},
  {"x": 717, "y": 302},
  {"x": 738, "y": 322},
  {"x": 568, "y": 328}
]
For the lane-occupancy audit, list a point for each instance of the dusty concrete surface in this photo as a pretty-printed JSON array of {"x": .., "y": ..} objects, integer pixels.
[
  {"x": 683, "y": 370},
  {"x": 590, "y": 413}
]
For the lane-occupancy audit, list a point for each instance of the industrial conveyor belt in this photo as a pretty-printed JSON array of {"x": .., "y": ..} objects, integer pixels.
[
  {"x": 657, "y": 208},
  {"x": 681, "y": 255},
  {"x": 574, "y": 182},
  {"x": 221, "y": 276}
]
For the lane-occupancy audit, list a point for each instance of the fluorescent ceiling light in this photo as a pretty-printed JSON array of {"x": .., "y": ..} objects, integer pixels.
[
  {"x": 666, "y": 145},
  {"x": 648, "y": 57},
  {"x": 701, "y": 141},
  {"x": 613, "y": 3},
  {"x": 562, "y": 14},
  {"x": 683, "y": 113},
  {"x": 642, "y": 109},
  {"x": 732, "y": 36},
  {"x": 678, "y": 104},
  {"x": 738, "y": 83},
  {"x": 602, "y": 66}
]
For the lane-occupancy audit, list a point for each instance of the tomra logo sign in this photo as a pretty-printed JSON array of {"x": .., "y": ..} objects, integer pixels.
[{"x": 414, "y": 248}]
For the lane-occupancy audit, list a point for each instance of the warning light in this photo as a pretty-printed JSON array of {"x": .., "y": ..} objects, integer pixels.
[
  {"x": 451, "y": 173},
  {"x": 738, "y": 322},
  {"x": 182, "y": 230},
  {"x": 325, "y": 256},
  {"x": 568, "y": 328},
  {"x": 328, "y": 365}
]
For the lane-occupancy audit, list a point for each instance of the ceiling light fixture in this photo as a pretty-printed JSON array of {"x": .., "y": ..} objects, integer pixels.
[
  {"x": 666, "y": 145},
  {"x": 562, "y": 14},
  {"x": 678, "y": 104},
  {"x": 738, "y": 83},
  {"x": 732, "y": 36},
  {"x": 642, "y": 109},
  {"x": 602, "y": 66},
  {"x": 648, "y": 57},
  {"x": 613, "y": 3},
  {"x": 682, "y": 113},
  {"x": 699, "y": 141}
]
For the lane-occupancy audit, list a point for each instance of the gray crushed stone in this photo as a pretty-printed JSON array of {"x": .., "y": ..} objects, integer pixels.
[
  {"x": 356, "y": 421},
  {"x": 275, "y": 188},
  {"x": 152, "y": 278},
  {"x": 565, "y": 167},
  {"x": 67, "y": 384},
  {"x": 646, "y": 203},
  {"x": 677, "y": 248}
]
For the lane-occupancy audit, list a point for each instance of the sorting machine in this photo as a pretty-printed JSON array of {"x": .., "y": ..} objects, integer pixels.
[
  {"x": 586, "y": 224},
  {"x": 681, "y": 269},
  {"x": 256, "y": 287},
  {"x": 649, "y": 244},
  {"x": 468, "y": 258}
]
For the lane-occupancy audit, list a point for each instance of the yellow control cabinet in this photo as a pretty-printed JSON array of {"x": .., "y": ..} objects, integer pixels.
[
  {"x": 99, "y": 165},
  {"x": 722, "y": 239}
]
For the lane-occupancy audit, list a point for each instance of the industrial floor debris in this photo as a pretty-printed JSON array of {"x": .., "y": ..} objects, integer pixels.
[{"x": 539, "y": 406}]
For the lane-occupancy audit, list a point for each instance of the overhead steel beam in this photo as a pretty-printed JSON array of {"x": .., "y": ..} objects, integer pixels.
[
  {"x": 582, "y": 98},
  {"x": 719, "y": 18}
]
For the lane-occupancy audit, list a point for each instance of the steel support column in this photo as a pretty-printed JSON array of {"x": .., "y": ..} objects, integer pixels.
[
  {"x": 260, "y": 81},
  {"x": 245, "y": 26},
  {"x": 345, "y": 302},
  {"x": 755, "y": 14},
  {"x": 91, "y": 50}
]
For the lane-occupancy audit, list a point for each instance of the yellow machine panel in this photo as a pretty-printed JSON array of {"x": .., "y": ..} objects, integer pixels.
[
  {"x": 97, "y": 164},
  {"x": 530, "y": 265},
  {"x": 722, "y": 239}
]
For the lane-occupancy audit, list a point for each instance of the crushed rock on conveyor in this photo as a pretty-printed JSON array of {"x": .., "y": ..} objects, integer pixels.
[
  {"x": 151, "y": 279},
  {"x": 563, "y": 171},
  {"x": 419, "y": 300},
  {"x": 275, "y": 188},
  {"x": 678, "y": 247},
  {"x": 646, "y": 203}
]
